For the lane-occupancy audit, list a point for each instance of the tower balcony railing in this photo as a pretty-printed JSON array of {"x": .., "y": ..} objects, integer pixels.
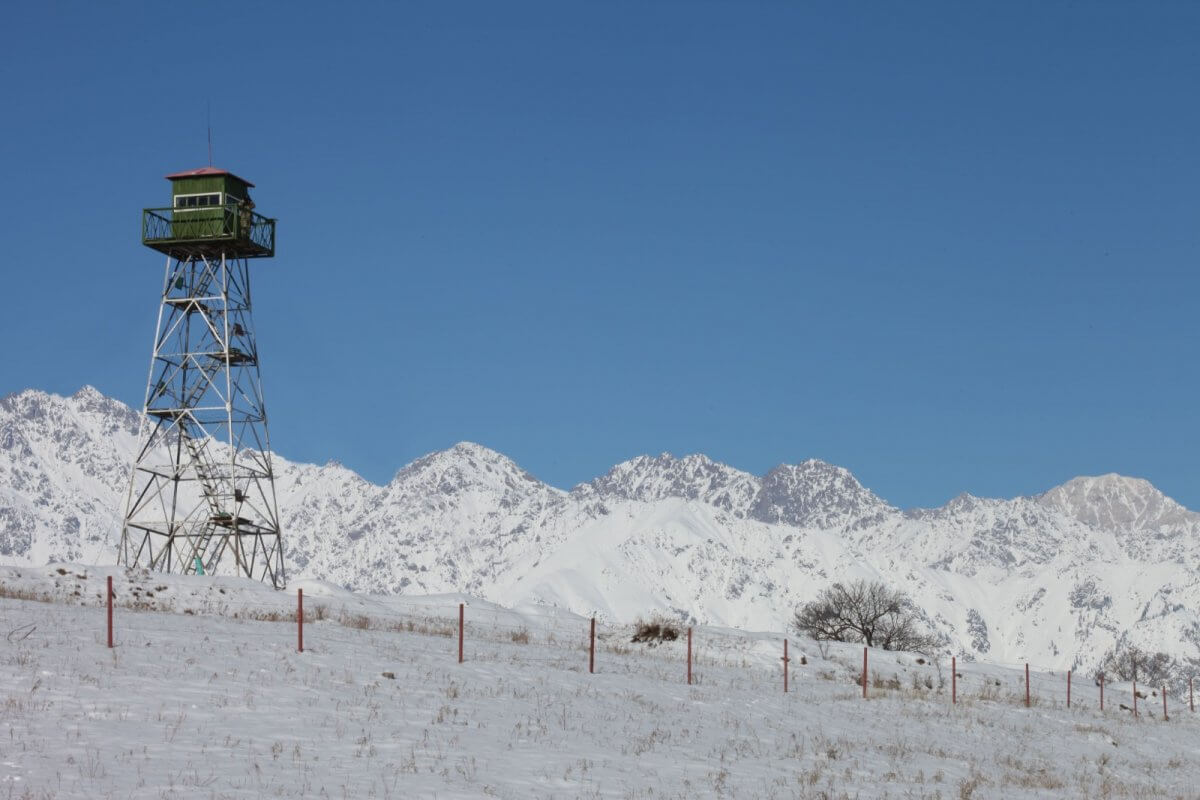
[{"x": 232, "y": 230}]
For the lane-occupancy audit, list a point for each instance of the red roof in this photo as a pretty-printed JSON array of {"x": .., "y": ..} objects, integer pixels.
[{"x": 196, "y": 173}]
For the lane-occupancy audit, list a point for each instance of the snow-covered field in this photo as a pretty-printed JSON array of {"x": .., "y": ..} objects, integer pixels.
[{"x": 205, "y": 696}]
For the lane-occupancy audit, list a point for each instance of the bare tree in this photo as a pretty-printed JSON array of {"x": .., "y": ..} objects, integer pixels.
[
  {"x": 864, "y": 611},
  {"x": 901, "y": 631},
  {"x": 1132, "y": 663}
]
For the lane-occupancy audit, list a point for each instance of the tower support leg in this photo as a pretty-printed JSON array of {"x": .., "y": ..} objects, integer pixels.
[{"x": 202, "y": 491}]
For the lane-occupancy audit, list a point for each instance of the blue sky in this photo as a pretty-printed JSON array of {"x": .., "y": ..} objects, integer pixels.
[{"x": 948, "y": 246}]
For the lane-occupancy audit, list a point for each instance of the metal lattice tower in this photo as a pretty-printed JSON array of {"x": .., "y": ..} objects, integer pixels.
[{"x": 202, "y": 494}]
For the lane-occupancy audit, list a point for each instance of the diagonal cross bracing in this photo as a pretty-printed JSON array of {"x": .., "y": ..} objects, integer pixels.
[{"x": 202, "y": 490}]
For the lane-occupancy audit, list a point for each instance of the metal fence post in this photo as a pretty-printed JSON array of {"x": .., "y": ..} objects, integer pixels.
[
  {"x": 1135, "y": 711},
  {"x": 592, "y": 649},
  {"x": 110, "y": 621},
  {"x": 785, "y": 666},
  {"x": 299, "y": 620},
  {"x": 461, "y": 615},
  {"x": 689, "y": 675}
]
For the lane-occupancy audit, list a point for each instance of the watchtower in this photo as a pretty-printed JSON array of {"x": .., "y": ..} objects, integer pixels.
[{"x": 202, "y": 494}]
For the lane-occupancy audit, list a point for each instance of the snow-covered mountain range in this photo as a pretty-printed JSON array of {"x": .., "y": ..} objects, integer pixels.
[{"x": 1056, "y": 578}]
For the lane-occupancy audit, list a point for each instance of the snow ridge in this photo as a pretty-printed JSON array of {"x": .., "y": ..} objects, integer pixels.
[{"x": 1056, "y": 578}]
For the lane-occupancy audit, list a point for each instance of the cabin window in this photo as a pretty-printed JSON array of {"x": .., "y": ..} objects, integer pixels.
[{"x": 190, "y": 201}]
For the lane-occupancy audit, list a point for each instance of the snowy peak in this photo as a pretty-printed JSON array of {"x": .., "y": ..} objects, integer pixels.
[
  {"x": 465, "y": 466},
  {"x": 811, "y": 494},
  {"x": 814, "y": 494},
  {"x": 87, "y": 407},
  {"x": 89, "y": 394},
  {"x": 1115, "y": 502},
  {"x": 965, "y": 503},
  {"x": 959, "y": 505},
  {"x": 48, "y": 429},
  {"x": 30, "y": 404},
  {"x": 694, "y": 477},
  {"x": 472, "y": 475},
  {"x": 63, "y": 463}
]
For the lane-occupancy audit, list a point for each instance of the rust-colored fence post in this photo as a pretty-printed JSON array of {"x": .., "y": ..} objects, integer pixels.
[
  {"x": 1027, "y": 684},
  {"x": 299, "y": 620},
  {"x": 785, "y": 666},
  {"x": 1068, "y": 688},
  {"x": 689, "y": 656},
  {"x": 864, "y": 678},
  {"x": 110, "y": 598},
  {"x": 460, "y": 631},
  {"x": 1102, "y": 691},
  {"x": 953, "y": 680},
  {"x": 592, "y": 649},
  {"x": 1164, "y": 691},
  {"x": 1135, "y": 711}
]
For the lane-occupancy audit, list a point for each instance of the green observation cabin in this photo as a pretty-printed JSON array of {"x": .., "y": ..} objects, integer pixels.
[{"x": 211, "y": 215}]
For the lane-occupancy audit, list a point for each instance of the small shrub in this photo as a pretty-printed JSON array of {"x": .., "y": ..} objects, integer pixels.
[
  {"x": 654, "y": 631},
  {"x": 520, "y": 637}
]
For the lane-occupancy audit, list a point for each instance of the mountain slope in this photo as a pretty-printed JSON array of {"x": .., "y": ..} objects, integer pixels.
[{"x": 1056, "y": 578}]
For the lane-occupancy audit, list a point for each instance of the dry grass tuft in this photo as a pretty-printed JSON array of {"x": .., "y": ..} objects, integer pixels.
[
  {"x": 360, "y": 621},
  {"x": 17, "y": 593}
]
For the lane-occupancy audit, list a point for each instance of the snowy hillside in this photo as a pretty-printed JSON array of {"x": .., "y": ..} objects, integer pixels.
[
  {"x": 377, "y": 706},
  {"x": 1055, "y": 579}
]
